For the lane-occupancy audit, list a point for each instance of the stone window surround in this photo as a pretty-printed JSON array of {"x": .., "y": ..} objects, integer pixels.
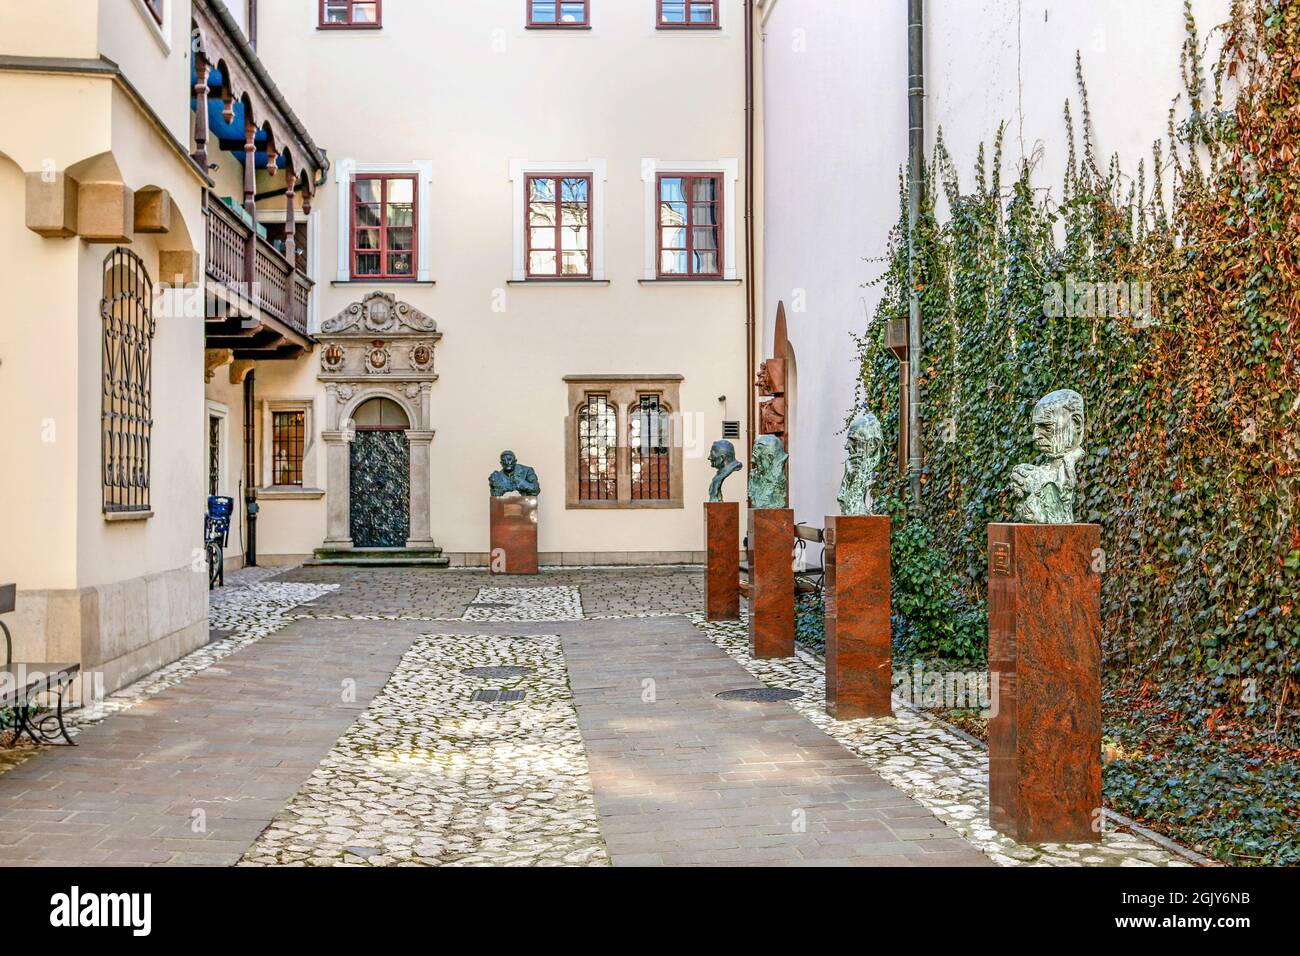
[
  {"x": 345, "y": 170},
  {"x": 729, "y": 170},
  {"x": 520, "y": 170},
  {"x": 624, "y": 392},
  {"x": 310, "y": 487}
]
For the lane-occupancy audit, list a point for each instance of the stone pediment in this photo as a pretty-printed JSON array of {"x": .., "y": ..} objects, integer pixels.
[{"x": 379, "y": 315}]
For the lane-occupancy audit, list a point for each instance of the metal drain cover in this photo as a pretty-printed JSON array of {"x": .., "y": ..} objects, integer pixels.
[
  {"x": 498, "y": 696},
  {"x": 761, "y": 694},
  {"x": 498, "y": 673}
]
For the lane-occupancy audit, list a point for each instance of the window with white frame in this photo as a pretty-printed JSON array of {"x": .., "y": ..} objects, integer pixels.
[
  {"x": 690, "y": 210},
  {"x": 558, "y": 220},
  {"x": 383, "y": 221}
]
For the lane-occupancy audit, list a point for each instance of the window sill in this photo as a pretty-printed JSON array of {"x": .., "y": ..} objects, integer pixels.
[
  {"x": 339, "y": 282},
  {"x": 289, "y": 493},
  {"x": 562, "y": 27},
  {"x": 128, "y": 515},
  {"x": 689, "y": 27},
  {"x": 327, "y": 27},
  {"x": 557, "y": 282},
  {"x": 653, "y": 505},
  {"x": 667, "y": 281}
]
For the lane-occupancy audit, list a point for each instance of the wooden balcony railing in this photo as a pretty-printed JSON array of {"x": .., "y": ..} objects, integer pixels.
[{"x": 272, "y": 286}]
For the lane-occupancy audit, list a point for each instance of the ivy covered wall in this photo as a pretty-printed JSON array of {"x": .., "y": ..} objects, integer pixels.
[{"x": 1167, "y": 295}]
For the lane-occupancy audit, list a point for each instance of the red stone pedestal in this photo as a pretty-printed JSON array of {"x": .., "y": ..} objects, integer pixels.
[
  {"x": 1045, "y": 655},
  {"x": 722, "y": 573},
  {"x": 514, "y": 536},
  {"x": 856, "y": 589},
  {"x": 771, "y": 582}
]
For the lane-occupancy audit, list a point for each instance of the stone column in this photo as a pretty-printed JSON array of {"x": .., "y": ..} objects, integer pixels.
[
  {"x": 1045, "y": 660},
  {"x": 858, "y": 649},
  {"x": 338, "y": 489},
  {"x": 722, "y": 572},
  {"x": 421, "y": 448},
  {"x": 771, "y": 582}
]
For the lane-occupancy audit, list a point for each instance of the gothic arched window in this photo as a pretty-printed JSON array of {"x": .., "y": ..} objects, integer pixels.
[
  {"x": 127, "y": 394},
  {"x": 597, "y": 449},
  {"x": 649, "y": 441}
]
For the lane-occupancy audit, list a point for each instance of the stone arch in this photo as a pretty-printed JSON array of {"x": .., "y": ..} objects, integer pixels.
[{"x": 412, "y": 410}]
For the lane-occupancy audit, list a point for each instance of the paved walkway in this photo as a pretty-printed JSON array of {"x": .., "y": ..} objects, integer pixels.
[{"x": 402, "y": 717}]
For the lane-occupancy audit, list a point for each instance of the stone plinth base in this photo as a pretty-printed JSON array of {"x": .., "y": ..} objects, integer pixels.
[
  {"x": 722, "y": 572},
  {"x": 513, "y": 536},
  {"x": 771, "y": 582},
  {"x": 1045, "y": 655},
  {"x": 858, "y": 648}
]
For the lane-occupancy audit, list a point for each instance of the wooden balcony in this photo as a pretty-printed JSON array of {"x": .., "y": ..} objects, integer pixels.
[{"x": 257, "y": 302}]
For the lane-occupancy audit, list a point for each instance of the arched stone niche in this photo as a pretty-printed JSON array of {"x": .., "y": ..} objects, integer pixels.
[{"x": 377, "y": 348}]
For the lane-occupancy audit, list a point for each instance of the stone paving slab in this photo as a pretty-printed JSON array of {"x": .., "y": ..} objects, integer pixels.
[
  {"x": 225, "y": 748},
  {"x": 684, "y": 779}
]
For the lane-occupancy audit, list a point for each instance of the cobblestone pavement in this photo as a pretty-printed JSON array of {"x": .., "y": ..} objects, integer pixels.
[
  {"x": 944, "y": 772},
  {"x": 330, "y": 721},
  {"x": 430, "y": 776}
]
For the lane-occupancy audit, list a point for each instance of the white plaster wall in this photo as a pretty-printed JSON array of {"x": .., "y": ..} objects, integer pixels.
[
  {"x": 468, "y": 88},
  {"x": 835, "y": 140}
]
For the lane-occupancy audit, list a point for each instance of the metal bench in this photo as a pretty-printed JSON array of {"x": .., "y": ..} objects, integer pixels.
[
  {"x": 21, "y": 685},
  {"x": 806, "y": 580}
]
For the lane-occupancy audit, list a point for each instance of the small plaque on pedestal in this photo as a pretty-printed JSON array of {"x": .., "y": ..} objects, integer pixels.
[
  {"x": 513, "y": 535},
  {"x": 856, "y": 588},
  {"x": 722, "y": 572},
  {"x": 1045, "y": 657},
  {"x": 771, "y": 582}
]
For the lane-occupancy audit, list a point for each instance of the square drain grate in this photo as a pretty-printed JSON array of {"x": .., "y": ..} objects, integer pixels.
[{"x": 497, "y": 696}]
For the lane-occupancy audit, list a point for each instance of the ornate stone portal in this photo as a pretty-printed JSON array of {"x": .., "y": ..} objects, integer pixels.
[{"x": 377, "y": 348}]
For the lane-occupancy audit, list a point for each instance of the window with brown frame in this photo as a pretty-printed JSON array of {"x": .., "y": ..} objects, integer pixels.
[
  {"x": 559, "y": 227},
  {"x": 690, "y": 226},
  {"x": 288, "y": 430},
  {"x": 156, "y": 8},
  {"x": 597, "y": 449},
  {"x": 384, "y": 219},
  {"x": 557, "y": 13},
  {"x": 649, "y": 443},
  {"x": 688, "y": 13},
  {"x": 362, "y": 14}
]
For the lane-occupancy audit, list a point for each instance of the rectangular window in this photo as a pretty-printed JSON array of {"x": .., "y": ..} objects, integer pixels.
[
  {"x": 288, "y": 430},
  {"x": 559, "y": 227},
  {"x": 688, "y": 13},
  {"x": 557, "y": 13},
  {"x": 649, "y": 444},
  {"x": 690, "y": 226},
  {"x": 350, "y": 13},
  {"x": 156, "y": 8},
  {"x": 384, "y": 219}
]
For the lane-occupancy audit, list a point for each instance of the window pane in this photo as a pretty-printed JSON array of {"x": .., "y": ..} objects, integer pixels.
[
  {"x": 702, "y": 12},
  {"x": 573, "y": 12},
  {"x": 403, "y": 238},
  {"x": 706, "y": 262},
  {"x": 541, "y": 190},
  {"x": 401, "y": 215},
  {"x": 575, "y": 263},
  {"x": 541, "y": 214},
  {"x": 401, "y": 191},
  {"x": 367, "y": 190},
  {"x": 368, "y": 264},
  {"x": 336, "y": 11},
  {"x": 672, "y": 238},
  {"x": 573, "y": 214},
  {"x": 672, "y": 189},
  {"x": 573, "y": 238},
  {"x": 672, "y": 263},
  {"x": 365, "y": 12},
  {"x": 573, "y": 190},
  {"x": 672, "y": 213},
  {"x": 704, "y": 190},
  {"x": 541, "y": 263},
  {"x": 399, "y": 264},
  {"x": 367, "y": 239},
  {"x": 544, "y": 11},
  {"x": 367, "y": 216},
  {"x": 674, "y": 11},
  {"x": 542, "y": 237},
  {"x": 704, "y": 215},
  {"x": 704, "y": 238}
]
